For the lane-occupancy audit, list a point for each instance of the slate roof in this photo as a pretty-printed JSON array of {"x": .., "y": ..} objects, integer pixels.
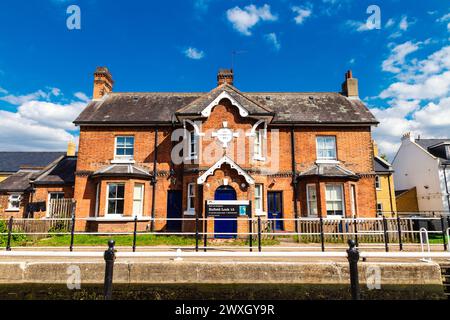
[
  {"x": 122, "y": 170},
  {"x": 289, "y": 108},
  {"x": 18, "y": 182},
  {"x": 62, "y": 173},
  {"x": 13, "y": 161},
  {"x": 430, "y": 144},
  {"x": 382, "y": 166},
  {"x": 328, "y": 171}
]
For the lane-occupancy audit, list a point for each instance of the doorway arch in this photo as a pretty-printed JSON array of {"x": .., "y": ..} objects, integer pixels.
[{"x": 225, "y": 193}]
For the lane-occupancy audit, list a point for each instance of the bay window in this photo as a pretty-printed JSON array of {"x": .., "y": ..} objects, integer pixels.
[
  {"x": 115, "y": 199},
  {"x": 335, "y": 200}
]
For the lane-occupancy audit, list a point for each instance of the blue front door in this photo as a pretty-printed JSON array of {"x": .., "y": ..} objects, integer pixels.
[
  {"x": 174, "y": 210},
  {"x": 275, "y": 209},
  {"x": 230, "y": 224}
]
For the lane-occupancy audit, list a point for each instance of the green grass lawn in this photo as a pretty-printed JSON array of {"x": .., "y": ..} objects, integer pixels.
[{"x": 127, "y": 240}]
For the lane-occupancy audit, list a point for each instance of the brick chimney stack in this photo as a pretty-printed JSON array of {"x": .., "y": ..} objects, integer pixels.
[
  {"x": 225, "y": 76},
  {"x": 103, "y": 82},
  {"x": 350, "y": 86}
]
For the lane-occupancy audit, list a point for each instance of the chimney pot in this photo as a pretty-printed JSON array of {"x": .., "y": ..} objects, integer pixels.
[
  {"x": 225, "y": 76},
  {"x": 103, "y": 82}
]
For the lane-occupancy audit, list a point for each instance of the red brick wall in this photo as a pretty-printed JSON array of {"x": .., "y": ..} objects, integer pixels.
[{"x": 354, "y": 149}]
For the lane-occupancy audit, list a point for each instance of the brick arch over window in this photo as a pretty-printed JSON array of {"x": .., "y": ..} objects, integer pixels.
[{"x": 233, "y": 165}]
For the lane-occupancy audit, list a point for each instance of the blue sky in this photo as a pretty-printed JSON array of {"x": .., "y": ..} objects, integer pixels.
[{"x": 46, "y": 69}]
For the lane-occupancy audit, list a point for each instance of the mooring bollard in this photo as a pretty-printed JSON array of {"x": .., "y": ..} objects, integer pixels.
[
  {"x": 110, "y": 257},
  {"x": 259, "y": 234},
  {"x": 72, "y": 233},
  {"x": 10, "y": 225},
  {"x": 135, "y": 233},
  {"x": 353, "y": 258}
]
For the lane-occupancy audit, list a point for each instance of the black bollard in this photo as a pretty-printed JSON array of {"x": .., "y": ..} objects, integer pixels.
[
  {"x": 353, "y": 258},
  {"x": 110, "y": 257}
]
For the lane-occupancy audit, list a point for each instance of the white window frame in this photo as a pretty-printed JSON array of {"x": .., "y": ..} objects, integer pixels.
[
  {"x": 141, "y": 199},
  {"x": 108, "y": 199},
  {"x": 309, "y": 201},
  {"x": 341, "y": 186},
  {"x": 318, "y": 149},
  {"x": 190, "y": 195},
  {"x": 55, "y": 192},
  {"x": 192, "y": 145},
  {"x": 124, "y": 158},
  {"x": 258, "y": 146},
  {"x": 353, "y": 201},
  {"x": 259, "y": 198},
  {"x": 19, "y": 199},
  {"x": 380, "y": 212},
  {"x": 378, "y": 182}
]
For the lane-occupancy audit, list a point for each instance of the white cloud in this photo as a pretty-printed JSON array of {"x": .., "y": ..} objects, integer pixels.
[
  {"x": 419, "y": 102},
  {"x": 357, "y": 25},
  {"x": 273, "y": 40},
  {"x": 397, "y": 57},
  {"x": 3, "y": 91},
  {"x": 403, "y": 25},
  {"x": 389, "y": 23},
  {"x": 245, "y": 19},
  {"x": 301, "y": 14},
  {"x": 444, "y": 18},
  {"x": 194, "y": 53},
  {"x": 38, "y": 124},
  {"x": 21, "y": 99}
]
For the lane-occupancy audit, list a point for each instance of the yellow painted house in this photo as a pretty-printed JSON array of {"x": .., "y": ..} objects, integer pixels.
[{"x": 384, "y": 183}]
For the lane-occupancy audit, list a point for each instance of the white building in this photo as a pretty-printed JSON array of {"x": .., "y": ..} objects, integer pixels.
[{"x": 424, "y": 164}]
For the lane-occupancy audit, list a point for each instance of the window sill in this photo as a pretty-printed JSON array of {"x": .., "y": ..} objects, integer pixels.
[
  {"x": 122, "y": 161},
  {"x": 12, "y": 210},
  {"x": 319, "y": 161},
  {"x": 189, "y": 213},
  {"x": 257, "y": 158},
  {"x": 191, "y": 158},
  {"x": 260, "y": 213},
  {"x": 117, "y": 219}
]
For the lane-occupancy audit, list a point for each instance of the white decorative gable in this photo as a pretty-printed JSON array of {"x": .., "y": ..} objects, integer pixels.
[
  {"x": 207, "y": 111},
  {"x": 233, "y": 165}
]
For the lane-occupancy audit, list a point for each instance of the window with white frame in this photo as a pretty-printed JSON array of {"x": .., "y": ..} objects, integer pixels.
[
  {"x": 124, "y": 148},
  {"x": 379, "y": 208},
  {"x": 14, "y": 202},
  {"x": 377, "y": 182},
  {"x": 191, "y": 197},
  {"x": 56, "y": 195},
  {"x": 193, "y": 145},
  {"x": 326, "y": 148},
  {"x": 334, "y": 199},
  {"x": 259, "y": 189},
  {"x": 138, "y": 199},
  {"x": 258, "y": 145},
  {"x": 115, "y": 198},
  {"x": 311, "y": 191}
]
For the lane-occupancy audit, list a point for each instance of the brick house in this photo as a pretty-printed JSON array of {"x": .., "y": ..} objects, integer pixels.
[
  {"x": 32, "y": 191},
  {"x": 291, "y": 154}
]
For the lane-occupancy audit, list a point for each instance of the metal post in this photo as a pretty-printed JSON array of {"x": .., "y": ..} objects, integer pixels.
[
  {"x": 205, "y": 235},
  {"x": 196, "y": 233},
  {"x": 386, "y": 239},
  {"x": 322, "y": 236},
  {"x": 72, "y": 232},
  {"x": 10, "y": 225},
  {"x": 250, "y": 227},
  {"x": 135, "y": 233},
  {"x": 259, "y": 234},
  {"x": 444, "y": 236},
  {"x": 353, "y": 258},
  {"x": 110, "y": 256},
  {"x": 355, "y": 222},
  {"x": 399, "y": 227}
]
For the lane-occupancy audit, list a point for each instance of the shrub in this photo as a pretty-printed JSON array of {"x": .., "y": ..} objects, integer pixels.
[{"x": 14, "y": 237}]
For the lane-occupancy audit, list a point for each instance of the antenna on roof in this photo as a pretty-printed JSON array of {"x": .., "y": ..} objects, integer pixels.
[{"x": 233, "y": 54}]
